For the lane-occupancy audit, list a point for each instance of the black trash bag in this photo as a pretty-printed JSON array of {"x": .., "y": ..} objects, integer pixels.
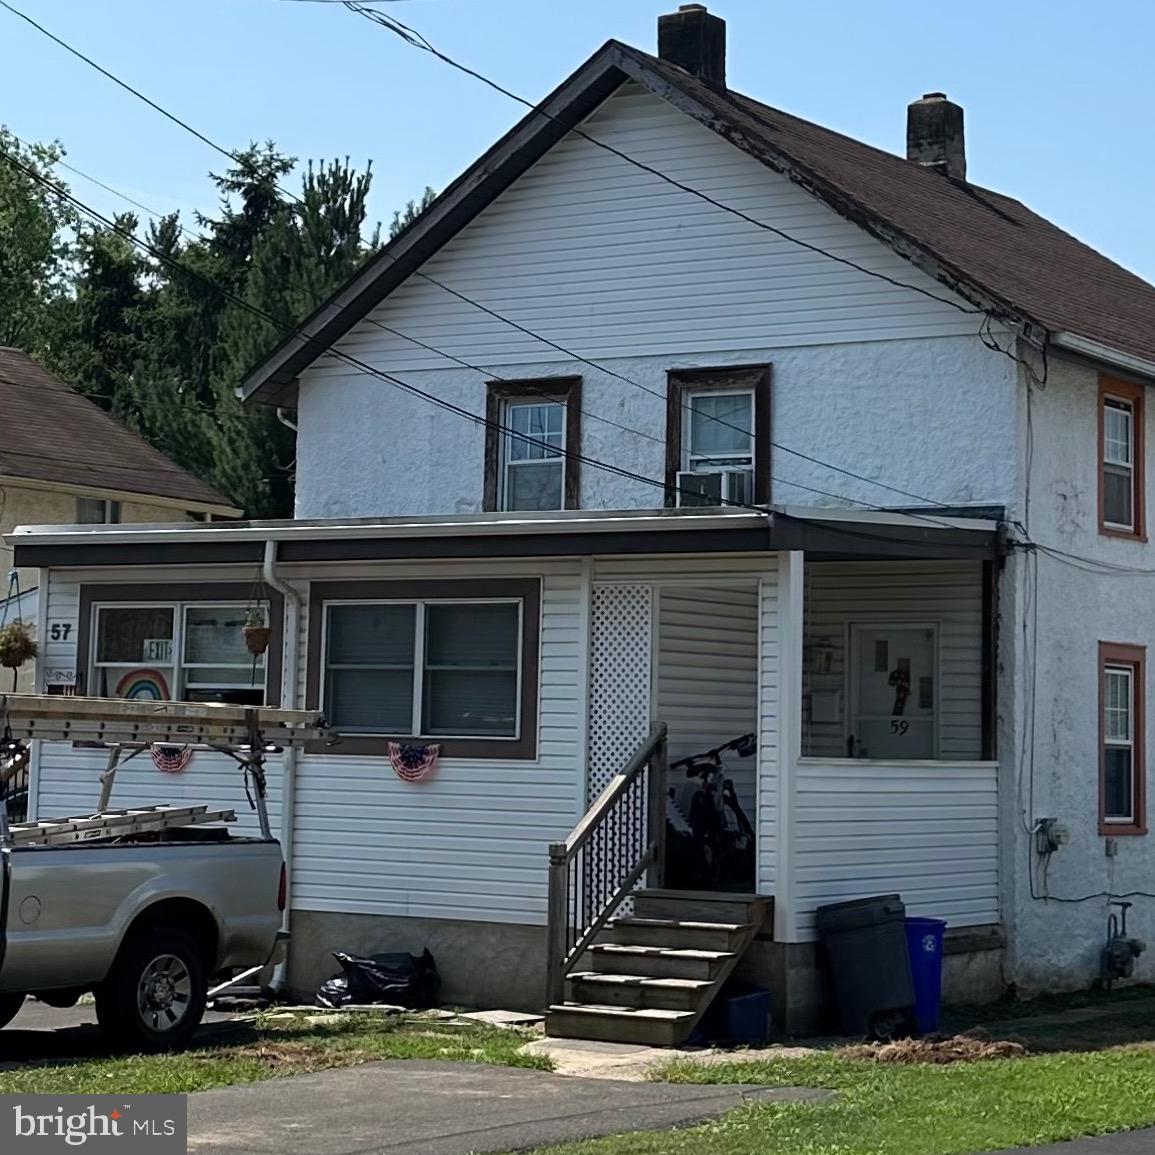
[{"x": 403, "y": 980}]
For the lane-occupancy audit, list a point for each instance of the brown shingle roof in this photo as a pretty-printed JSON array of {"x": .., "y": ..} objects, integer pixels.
[
  {"x": 52, "y": 433},
  {"x": 992, "y": 241},
  {"x": 990, "y": 248}
]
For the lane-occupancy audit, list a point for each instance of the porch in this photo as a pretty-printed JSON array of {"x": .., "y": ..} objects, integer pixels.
[
  {"x": 718, "y": 623},
  {"x": 869, "y": 686}
]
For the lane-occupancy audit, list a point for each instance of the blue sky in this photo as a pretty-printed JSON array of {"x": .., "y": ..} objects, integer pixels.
[{"x": 1058, "y": 108}]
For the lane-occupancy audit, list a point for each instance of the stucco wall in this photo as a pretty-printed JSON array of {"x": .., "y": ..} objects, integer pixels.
[
  {"x": 1056, "y": 944},
  {"x": 30, "y": 505},
  {"x": 934, "y": 416}
]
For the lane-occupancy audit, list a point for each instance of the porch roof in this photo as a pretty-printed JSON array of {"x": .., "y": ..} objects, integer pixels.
[{"x": 828, "y": 533}]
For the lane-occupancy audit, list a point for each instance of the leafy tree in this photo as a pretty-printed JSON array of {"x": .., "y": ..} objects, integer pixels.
[
  {"x": 163, "y": 341},
  {"x": 34, "y": 243}
]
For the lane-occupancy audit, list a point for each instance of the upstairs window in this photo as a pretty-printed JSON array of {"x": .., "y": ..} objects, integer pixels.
[
  {"x": 1121, "y": 473},
  {"x": 532, "y": 460},
  {"x": 719, "y": 461},
  {"x": 97, "y": 511},
  {"x": 718, "y": 436},
  {"x": 1122, "y": 763},
  {"x": 532, "y": 443}
]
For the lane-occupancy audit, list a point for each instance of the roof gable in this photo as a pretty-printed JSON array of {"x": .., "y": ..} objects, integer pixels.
[
  {"x": 54, "y": 434},
  {"x": 987, "y": 248}
]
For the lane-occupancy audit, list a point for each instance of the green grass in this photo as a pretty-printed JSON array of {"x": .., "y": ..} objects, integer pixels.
[
  {"x": 274, "y": 1048},
  {"x": 916, "y": 1109}
]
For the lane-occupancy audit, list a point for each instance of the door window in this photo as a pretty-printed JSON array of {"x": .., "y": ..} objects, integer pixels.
[{"x": 893, "y": 691}]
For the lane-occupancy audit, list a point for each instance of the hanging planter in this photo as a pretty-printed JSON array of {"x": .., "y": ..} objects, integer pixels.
[
  {"x": 256, "y": 632},
  {"x": 17, "y": 645}
]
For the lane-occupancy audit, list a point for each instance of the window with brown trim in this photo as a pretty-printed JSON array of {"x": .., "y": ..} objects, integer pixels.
[
  {"x": 1121, "y": 459},
  {"x": 718, "y": 436},
  {"x": 532, "y": 442},
  {"x": 177, "y": 641},
  {"x": 1122, "y": 739},
  {"x": 451, "y": 662}
]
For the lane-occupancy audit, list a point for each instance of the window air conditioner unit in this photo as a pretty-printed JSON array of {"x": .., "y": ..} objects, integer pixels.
[{"x": 698, "y": 489}]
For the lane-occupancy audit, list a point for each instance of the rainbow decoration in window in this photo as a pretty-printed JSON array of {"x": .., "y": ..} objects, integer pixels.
[{"x": 143, "y": 685}]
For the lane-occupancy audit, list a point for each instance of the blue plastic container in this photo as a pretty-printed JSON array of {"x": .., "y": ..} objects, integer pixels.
[
  {"x": 924, "y": 943},
  {"x": 739, "y": 1015}
]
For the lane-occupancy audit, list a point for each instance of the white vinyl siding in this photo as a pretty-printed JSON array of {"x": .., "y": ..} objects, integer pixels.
[
  {"x": 839, "y": 594},
  {"x": 471, "y": 841},
  {"x": 708, "y": 677},
  {"x": 607, "y": 260},
  {"x": 928, "y": 831}
]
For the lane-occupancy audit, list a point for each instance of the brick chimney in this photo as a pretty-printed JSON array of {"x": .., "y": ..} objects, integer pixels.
[
  {"x": 934, "y": 135},
  {"x": 694, "y": 40}
]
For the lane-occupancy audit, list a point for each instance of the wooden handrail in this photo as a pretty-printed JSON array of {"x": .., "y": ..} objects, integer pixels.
[
  {"x": 647, "y": 859},
  {"x": 617, "y": 786}
]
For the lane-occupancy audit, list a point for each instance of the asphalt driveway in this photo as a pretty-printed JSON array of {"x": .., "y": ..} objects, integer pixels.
[{"x": 444, "y": 1108}]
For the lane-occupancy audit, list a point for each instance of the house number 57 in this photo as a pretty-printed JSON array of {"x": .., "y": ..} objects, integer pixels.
[{"x": 60, "y": 631}]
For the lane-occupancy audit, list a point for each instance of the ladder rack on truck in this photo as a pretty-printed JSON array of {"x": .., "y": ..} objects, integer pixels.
[{"x": 247, "y": 734}]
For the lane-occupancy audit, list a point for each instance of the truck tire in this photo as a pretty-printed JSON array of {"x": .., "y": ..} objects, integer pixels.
[
  {"x": 154, "y": 996},
  {"x": 9, "y": 1007}
]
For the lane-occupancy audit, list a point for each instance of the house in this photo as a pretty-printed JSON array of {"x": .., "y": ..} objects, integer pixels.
[
  {"x": 65, "y": 461},
  {"x": 676, "y": 409}
]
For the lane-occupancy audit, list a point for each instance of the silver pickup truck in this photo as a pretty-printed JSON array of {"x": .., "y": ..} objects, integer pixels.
[{"x": 141, "y": 906}]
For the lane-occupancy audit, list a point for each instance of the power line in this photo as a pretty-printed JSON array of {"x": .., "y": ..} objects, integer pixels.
[
  {"x": 528, "y": 332},
  {"x": 416, "y": 40},
  {"x": 347, "y": 358}
]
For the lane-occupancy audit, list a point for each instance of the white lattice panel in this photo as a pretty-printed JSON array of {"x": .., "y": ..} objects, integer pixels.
[{"x": 621, "y": 646}]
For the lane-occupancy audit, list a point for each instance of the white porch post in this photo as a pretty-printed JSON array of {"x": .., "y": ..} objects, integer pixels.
[{"x": 789, "y": 681}]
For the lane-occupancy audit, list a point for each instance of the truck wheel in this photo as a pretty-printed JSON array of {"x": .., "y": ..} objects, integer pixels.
[
  {"x": 154, "y": 997},
  {"x": 9, "y": 1007}
]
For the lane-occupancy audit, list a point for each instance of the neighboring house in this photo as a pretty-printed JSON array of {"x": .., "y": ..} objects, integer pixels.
[
  {"x": 926, "y": 686},
  {"x": 64, "y": 461}
]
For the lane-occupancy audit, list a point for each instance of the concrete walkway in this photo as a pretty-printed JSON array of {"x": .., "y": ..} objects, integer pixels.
[{"x": 444, "y": 1108}]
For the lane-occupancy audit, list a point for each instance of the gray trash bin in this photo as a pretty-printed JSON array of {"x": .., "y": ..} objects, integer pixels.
[{"x": 865, "y": 946}]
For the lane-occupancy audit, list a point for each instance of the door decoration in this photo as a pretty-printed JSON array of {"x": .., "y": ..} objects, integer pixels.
[
  {"x": 143, "y": 685},
  {"x": 171, "y": 759},
  {"x": 413, "y": 763},
  {"x": 900, "y": 680}
]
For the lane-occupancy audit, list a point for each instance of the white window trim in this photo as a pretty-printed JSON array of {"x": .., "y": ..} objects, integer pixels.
[
  {"x": 417, "y": 713},
  {"x": 505, "y": 464},
  {"x": 179, "y": 684},
  {"x": 1127, "y": 468},
  {"x": 1127, "y": 743},
  {"x": 851, "y": 681}
]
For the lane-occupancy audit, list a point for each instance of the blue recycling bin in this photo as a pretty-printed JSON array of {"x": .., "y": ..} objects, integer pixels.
[{"x": 924, "y": 944}]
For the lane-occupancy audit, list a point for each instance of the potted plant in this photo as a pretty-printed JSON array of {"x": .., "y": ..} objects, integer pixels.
[
  {"x": 256, "y": 631},
  {"x": 17, "y": 645}
]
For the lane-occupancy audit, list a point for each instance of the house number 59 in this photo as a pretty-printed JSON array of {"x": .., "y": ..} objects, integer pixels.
[{"x": 899, "y": 725}]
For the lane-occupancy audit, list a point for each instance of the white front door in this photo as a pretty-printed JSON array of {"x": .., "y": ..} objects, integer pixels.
[{"x": 893, "y": 691}]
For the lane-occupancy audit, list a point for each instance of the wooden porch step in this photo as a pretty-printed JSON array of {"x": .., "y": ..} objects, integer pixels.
[
  {"x": 703, "y": 906},
  {"x": 658, "y": 961},
  {"x": 648, "y": 1026},
  {"x": 678, "y": 932},
  {"x": 596, "y": 989}
]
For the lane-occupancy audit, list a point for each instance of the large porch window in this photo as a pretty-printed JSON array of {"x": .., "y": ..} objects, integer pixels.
[{"x": 183, "y": 651}]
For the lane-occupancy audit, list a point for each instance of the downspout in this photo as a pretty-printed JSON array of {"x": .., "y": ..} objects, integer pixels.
[{"x": 292, "y": 617}]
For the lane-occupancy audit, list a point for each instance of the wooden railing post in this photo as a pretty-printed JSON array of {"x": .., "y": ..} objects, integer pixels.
[
  {"x": 656, "y": 810},
  {"x": 557, "y": 924}
]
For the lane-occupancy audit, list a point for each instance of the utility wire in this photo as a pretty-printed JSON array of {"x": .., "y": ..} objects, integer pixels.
[
  {"x": 344, "y": 357},
  {"x": 416, "y": 40},
  {"x": 521, "y": 328}
]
